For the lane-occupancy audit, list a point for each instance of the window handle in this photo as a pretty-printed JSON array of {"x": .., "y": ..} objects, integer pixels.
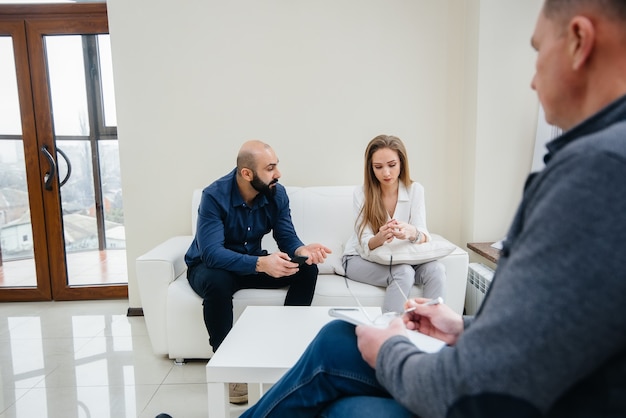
[
  {"x": 48, "y": 178},
  {"x": 69, "y": 167}
]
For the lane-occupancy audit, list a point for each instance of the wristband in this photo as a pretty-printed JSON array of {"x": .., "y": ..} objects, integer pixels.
[{"x": 417, "y": 237}]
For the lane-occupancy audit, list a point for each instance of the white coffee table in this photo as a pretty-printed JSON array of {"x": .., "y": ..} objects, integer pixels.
[{"x": 262, "y": 345}]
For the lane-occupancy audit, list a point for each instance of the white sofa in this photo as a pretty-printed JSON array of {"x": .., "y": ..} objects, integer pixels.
[{"x": 173, "y": 311}]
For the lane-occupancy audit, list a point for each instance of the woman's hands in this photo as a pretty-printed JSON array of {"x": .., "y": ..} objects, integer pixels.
[
  {"x": 393, "y": 229},
  {"x": 385, "y": 234}
]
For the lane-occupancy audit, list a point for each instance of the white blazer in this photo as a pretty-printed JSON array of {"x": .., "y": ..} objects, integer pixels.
[{"x": 410, "y": 208}]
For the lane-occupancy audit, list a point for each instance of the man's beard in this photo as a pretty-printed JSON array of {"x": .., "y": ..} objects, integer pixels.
[{"x": 258, "y": 185}]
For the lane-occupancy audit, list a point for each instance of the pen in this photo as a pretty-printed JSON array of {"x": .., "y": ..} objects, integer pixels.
[{"x": 435, "y": 301}]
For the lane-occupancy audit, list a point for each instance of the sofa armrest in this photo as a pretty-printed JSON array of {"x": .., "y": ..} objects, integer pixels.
[
  {"x": 156, "y": 269},
  {"x": 456, "y": 264}
]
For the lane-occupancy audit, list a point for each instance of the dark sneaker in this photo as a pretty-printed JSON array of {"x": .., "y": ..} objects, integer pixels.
[{"x": 238, "y": 393}]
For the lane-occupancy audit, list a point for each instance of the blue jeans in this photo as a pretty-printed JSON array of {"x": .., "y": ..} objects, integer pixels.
[
  {"x": 330, "y": 380},
  {"x": 216, "y": 287}
]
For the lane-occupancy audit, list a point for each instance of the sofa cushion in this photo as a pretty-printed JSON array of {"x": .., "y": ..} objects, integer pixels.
[
  {"x": 320, "y": 215},
  {"x": 332, "y": 290}
]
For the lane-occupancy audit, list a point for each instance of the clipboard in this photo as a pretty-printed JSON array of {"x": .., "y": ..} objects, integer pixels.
[{"x": 356, "y": 316}]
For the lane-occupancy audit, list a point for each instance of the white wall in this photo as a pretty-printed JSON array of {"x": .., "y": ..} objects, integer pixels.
[
  {"x": 317, "y": 80},
  {"x": 502, "y": 115}
]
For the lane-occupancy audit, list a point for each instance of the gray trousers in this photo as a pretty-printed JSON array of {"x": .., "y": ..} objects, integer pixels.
[{"x": 398, "y": 279}]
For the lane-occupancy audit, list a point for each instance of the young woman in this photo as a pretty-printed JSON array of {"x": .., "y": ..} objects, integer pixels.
[{"x": 390, "y": 206}]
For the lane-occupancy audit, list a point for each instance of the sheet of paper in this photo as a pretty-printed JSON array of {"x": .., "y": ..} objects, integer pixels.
[
  {"x": 356, "y": 316},
  {"x": 498, "y": 244}
]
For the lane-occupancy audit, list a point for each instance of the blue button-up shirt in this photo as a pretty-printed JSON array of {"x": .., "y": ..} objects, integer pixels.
[{"x": 229, "y": 232}]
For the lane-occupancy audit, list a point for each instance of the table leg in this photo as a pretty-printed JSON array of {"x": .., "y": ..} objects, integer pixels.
[
  {"x": 254, "y": 393},
  {"x": 219, "y": 406}
]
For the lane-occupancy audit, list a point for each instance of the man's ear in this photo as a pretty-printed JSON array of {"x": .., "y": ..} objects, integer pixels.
[
  {"x": 581, "y": 36},
  {"x": 246, "y": 173}
]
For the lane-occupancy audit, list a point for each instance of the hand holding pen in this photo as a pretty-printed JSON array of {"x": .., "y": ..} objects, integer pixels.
[
  {"x": 435, "y": 301},
  {"x": 433, "y": 317}
]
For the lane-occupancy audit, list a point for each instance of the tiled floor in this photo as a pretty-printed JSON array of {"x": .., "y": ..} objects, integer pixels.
[{"x": 88, "y": 359}]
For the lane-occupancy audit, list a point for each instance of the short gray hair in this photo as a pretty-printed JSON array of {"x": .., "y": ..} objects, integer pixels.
[{"x": 565, "y": 9}]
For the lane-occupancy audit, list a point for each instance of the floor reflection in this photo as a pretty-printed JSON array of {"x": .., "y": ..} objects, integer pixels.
[
  {"x": 84, "y": 268},
  {"x": 88, "y": 359}
]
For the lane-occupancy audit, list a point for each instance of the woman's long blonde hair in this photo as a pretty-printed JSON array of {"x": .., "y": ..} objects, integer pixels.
[{"x": 373, "y": 212}]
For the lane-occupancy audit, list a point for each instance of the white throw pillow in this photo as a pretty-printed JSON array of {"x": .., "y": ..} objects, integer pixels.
[{"x": 404, "y": 252}]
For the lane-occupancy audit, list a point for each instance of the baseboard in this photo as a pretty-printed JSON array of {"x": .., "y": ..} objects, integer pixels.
[{"x": 135, "y": 312}]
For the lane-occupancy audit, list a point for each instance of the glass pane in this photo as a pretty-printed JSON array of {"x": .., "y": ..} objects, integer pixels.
[
  {"x": 95, "y": 253},
  {"x": 112, "y": 194},
  {"x": 66, "y": 70},
  {"x": 106, "y": 72},
  {"x": 17, "y": 267},
  {"x": 77, "y": 197},
  {"x": 10, "y": 120}
]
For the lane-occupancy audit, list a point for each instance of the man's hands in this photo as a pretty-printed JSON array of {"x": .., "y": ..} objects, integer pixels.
[
  {"x": 438, "y": 321},
  {"x": 278, "y": 264},
  {"x": 370, "y": 339},
  {"x": 317, "y": 253}
]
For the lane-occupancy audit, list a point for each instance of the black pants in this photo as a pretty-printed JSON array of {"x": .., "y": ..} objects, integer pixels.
[{"x": 216, "y": 287}]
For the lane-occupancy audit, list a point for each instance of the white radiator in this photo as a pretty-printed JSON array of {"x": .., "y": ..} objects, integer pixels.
[{"x": 479, "y": 278}]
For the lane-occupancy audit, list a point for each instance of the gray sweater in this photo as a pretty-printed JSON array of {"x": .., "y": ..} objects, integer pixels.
[{"x": 550, "y": 338}]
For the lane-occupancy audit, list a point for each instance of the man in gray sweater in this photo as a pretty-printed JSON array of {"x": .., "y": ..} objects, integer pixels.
[{"x": 550, "y": 338}]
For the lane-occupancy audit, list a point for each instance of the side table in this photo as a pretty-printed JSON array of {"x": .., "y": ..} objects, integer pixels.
[{"x": 484, "y": 249}]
